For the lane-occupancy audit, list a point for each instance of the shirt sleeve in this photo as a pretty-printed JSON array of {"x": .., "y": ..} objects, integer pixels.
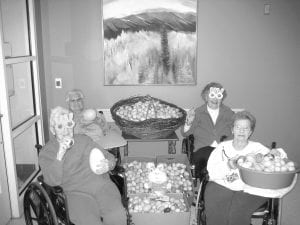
[{"x": 52, "y": 169}]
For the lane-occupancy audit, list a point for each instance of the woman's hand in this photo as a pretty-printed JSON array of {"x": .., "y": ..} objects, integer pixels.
[
  {"x": 190, "y": 116},
  {"x": 64, "y": 145},
  {"x": 232, "y": 163},
  {"x": 102, "y": 167}
]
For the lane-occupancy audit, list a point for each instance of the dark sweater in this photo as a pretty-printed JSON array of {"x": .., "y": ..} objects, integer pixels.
[{"x": 204, "y": 130}]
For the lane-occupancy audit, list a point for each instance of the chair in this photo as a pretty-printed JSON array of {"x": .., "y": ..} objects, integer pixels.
[
  {"x": 47, "y": 205},
  {"x": 268, "y": 212}
]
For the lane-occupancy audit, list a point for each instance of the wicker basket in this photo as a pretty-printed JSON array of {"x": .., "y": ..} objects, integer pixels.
[{"x": 150, "y": 128}]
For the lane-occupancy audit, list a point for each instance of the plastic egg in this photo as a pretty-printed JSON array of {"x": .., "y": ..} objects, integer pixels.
[
  {"x": 89, "y": 114},
  {"x": 95, "y": 157}
]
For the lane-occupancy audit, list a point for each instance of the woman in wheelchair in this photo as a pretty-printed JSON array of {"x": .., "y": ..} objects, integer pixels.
[
  {"x": 226, "y": 197},
  {"x": 80, "y": 167},
  {"x": 208, "y": 124}
]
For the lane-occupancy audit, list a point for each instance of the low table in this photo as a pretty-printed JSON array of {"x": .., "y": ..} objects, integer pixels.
[{"x": 171, "y": 139}]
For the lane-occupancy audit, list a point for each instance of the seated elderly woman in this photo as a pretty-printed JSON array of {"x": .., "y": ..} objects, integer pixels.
[
  {"x": 208, "y": 123},
  {"x": 91, "y": 122},
  {"x": 227, "y": 198},
  {"x": 80, "y": 167}
]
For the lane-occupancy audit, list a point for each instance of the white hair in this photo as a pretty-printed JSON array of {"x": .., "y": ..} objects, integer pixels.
[
  {"x": 75, "y": 93},
  {"x": 56, "y": 115}
]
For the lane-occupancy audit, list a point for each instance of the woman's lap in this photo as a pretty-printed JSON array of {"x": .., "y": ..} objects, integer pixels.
[
  {"x": 224, "y": 206},
  {"x": 83, "y": 209},
  {"x": 110, "y": 205}
]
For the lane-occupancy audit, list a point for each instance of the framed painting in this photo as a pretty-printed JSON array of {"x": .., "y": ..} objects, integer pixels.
[{"x": 149, "y": 42}]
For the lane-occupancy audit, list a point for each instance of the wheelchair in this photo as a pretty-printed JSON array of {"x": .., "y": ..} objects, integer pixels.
[
  {"x": 268, "y": 212},
  {"x": 47, "y": 205}
]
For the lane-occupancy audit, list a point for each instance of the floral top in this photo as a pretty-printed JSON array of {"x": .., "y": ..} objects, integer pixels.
[{"x": 218, "y": 168}]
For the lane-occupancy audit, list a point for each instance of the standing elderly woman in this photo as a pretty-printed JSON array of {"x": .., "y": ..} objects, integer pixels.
[
  {"x": 80, "y": 167},
  {"x": 208, "y": 124},
  {"x": 225, "y": 199}
]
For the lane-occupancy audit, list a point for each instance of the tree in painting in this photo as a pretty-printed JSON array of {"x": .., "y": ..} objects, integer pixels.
[{"x": 150, "y": 42}]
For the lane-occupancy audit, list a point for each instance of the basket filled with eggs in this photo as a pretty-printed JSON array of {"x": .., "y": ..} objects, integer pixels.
[
  {"x": 267, "y": 171},
  {"x": 147, "y": 117}
]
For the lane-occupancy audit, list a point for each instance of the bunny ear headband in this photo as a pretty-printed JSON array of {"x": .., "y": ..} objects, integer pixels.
[{"x": 215, "y": 92}]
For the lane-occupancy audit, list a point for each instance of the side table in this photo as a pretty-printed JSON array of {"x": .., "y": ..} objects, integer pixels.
[{"x": 171, "y": 139}]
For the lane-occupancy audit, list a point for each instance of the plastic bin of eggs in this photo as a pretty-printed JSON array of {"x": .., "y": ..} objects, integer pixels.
[
  {"x": 179, "y": 179},
  {"x": 162, "y": 204}
]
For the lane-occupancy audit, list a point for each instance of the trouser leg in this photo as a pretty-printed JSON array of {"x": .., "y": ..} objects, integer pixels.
[
  {"x": 226, "y": 207},
  {"x": 217, "y": 204},
  {"x": 111, "y": 207},
  {"x": 243, "y": 206},
  {"x": 83, "y": 209}
]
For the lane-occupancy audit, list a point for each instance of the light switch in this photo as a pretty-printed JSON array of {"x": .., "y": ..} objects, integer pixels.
[
  {"x": 267, "y": 9},
  {"x": 58, "y": 83}
]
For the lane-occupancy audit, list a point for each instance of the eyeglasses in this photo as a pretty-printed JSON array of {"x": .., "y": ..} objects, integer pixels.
[
  {"x": 75, "y": 100},
  {"x": 65, "y": 125},
  {"x": 245, "y": 129},
  {"x": 215, "y": 95},
  {"x": 215, "y": 92}
]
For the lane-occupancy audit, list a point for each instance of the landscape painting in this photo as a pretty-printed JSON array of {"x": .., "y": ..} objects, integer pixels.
[{"x": 150, "y": 42}]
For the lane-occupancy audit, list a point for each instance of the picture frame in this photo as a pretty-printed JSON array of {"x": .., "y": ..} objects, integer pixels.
[{"x": 149, "y": 42}]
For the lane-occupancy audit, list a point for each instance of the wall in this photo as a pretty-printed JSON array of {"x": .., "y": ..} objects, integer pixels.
[{"x": 255, "y": 56}]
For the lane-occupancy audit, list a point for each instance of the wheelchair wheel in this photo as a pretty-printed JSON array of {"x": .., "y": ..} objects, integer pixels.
[
  {"x": 200, "y": 213},
  {"x": 38, "y": 208},
  {"x": 200, "y": 203}
]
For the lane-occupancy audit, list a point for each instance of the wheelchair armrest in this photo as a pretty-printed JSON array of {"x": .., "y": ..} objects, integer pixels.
[{"x": 54, "y": 189}]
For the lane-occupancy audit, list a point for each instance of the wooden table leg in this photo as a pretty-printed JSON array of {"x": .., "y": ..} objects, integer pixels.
[
  {"x": 171, "y": 147},
  {"x": 126, "y": 150}
]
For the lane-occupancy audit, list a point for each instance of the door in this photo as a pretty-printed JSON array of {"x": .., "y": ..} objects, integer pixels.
[
  {"x": 5, "y": 212},
  {"x": 20, "y": 102}
]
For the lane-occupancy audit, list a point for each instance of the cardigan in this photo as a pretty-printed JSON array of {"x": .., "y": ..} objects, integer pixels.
[
  {"x": 73, "y": 172},
  {"x": 205, "y": 131}
]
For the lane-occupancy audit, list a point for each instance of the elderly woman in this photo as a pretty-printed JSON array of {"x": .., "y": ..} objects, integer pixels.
[
  {"x": 225, "y": 199},
  {"x": 88, "y": 122},
  {"x": 80, "y": 167},
  {"x": 208, "y": 123},
  {"x": 92, "y": 123}
]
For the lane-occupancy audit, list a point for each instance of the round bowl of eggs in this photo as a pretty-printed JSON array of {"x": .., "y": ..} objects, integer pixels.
[{"x": 267, "y": 171}]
